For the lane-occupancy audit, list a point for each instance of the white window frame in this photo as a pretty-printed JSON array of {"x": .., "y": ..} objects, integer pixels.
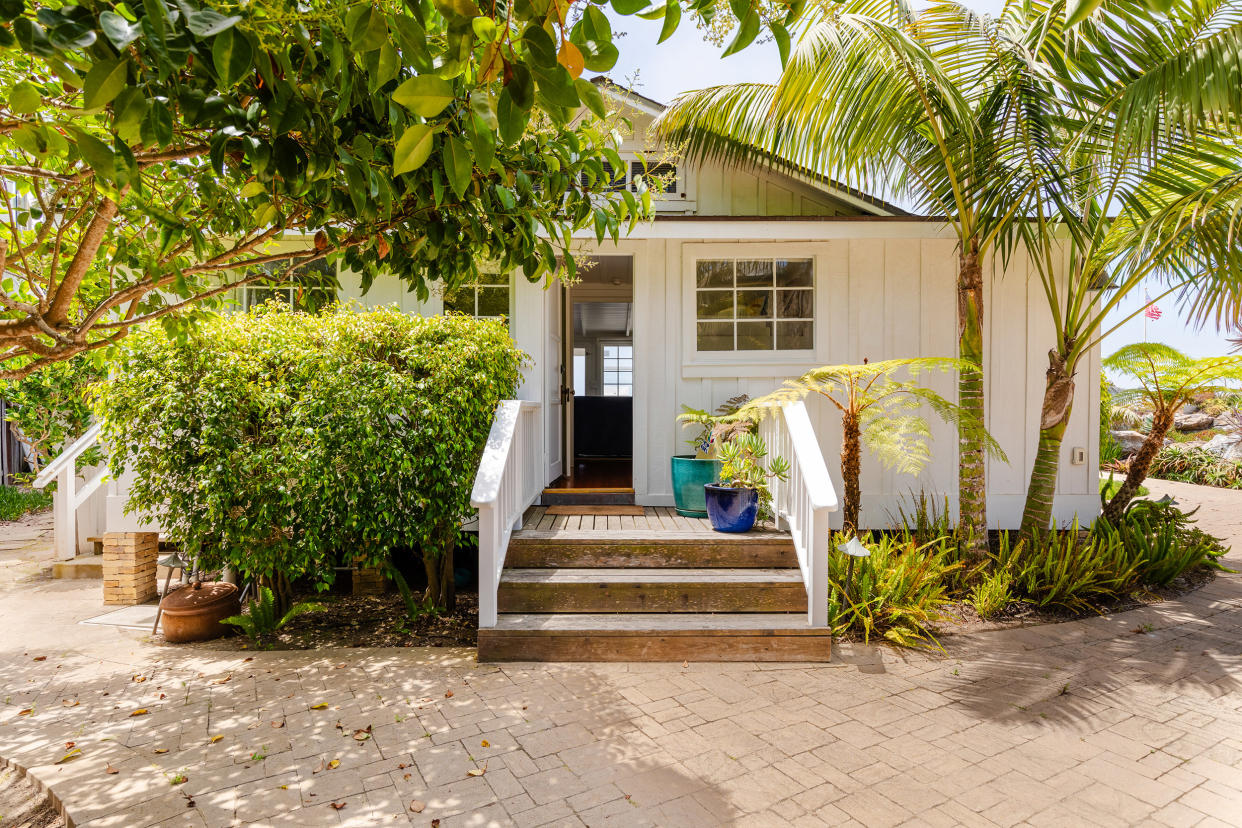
[
  {"x": 244, "y": 293},
  {"x": 474, "y": 288},
  {"x": 773, "y": 363},
  {"x": 682, "y": 201},
  {"x": 603, "y": 369}
]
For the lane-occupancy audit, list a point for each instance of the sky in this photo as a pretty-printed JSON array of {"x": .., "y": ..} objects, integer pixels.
[{"x": 686, "y": 62}]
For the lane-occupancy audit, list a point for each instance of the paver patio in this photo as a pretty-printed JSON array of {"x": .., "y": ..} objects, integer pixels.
[{"x": 1129, "y": 719}]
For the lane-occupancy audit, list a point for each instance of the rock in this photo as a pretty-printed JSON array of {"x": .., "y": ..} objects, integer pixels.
[
  {"x": 1188, "y": 408},
  {"x": 1130, "y": 441},
  {"x": 1225, "y": 446},
  {"x": 1197, "y": 421}
]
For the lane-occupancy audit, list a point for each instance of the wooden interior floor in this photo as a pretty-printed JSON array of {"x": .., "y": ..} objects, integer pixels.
[
  {"x": 598, "y": 473},
  {"x": 659, "y": 519}
]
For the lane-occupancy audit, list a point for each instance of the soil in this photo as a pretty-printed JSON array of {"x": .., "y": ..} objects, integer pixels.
[
  {"x": 365, "y": 621},
  {"x": 962, "y": 618},
  {"x": 23, "y": 805}
]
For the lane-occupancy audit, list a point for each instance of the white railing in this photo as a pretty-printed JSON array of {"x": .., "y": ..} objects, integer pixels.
[
  {"x": 510, "y": 478},
  {"x": 803, "y": 502},
  {"x": 68, "y": 498}
]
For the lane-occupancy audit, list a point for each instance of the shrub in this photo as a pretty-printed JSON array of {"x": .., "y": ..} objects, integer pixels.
[
  {"x": 264, "y": 618},
  {"x": 1194, "y": 465},
  {"x": 49, "y": 408},
  {"x": 925, "y": 521},
  {"x": 1066, "y": 569},
  {"x": 899, "y": 591},
  {"x": 993, "y": 593},
  {"x": 1110, "y": 449},
  {"x": 16, "y": 502},
  {"x": 1162, "y": 541},
  {"x": 280, "y": 443}
]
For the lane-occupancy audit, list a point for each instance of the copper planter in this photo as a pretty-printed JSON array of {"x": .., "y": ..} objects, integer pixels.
[{"x": 194, "y": 613}]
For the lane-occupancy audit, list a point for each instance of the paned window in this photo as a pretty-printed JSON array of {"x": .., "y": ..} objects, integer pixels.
[
  {"x": 660, "y": 178},
  {"x": 488, "y": 298},
  {"x": 754, "y": 304},
  {"x": 309, "y": 288},
  {"x": 618, "y": 370}
]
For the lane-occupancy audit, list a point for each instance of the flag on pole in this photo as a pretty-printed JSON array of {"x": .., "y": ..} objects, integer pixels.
[{"x": 1152, "y": 312}]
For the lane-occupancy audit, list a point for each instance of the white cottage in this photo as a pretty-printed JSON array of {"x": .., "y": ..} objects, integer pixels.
[{"x": 745, "y": 278}]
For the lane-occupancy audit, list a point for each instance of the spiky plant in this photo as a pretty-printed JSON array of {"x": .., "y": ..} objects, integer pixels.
[
  {"x": 881, "y": 406},
  {"x": 1167, "y": 379}
]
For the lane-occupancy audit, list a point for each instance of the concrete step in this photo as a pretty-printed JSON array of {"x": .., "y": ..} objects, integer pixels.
[
  {"x": 631, "y": 590},
  {"x": 531, "y": 549},
  {"x": 81, "y": 567},
  {"x": 774, "y": 637}
]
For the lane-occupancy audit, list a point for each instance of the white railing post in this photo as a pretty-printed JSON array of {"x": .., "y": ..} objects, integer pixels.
[
  {"x": 487, "y": 565},
  {"x": 64, "y": 513},
  {"x": 817, "y": 583}
]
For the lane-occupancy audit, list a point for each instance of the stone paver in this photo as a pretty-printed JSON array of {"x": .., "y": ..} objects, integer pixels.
[
  {"x": 26, "y": 547},
  {"x": 1122, "y": 720}
]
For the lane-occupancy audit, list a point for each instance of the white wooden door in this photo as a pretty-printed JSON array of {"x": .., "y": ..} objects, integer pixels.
[
  {"x": 567, "y": 376},
  {"x": 553, "y": 372}
]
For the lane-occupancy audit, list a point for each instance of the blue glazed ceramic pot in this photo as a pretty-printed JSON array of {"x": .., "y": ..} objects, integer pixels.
[{"x": 731, "y": 510}]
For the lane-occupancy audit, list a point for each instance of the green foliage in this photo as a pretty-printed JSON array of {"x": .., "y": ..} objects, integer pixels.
[
  {"x": 1109, "y": 487},
  {"x": 155, "y": 150},
  {"x": 1110, "y": 450},
  {"x": 715, "y": 428},
  {"x": 1194, "y": 465},
  {"x": 898, "y": 591},
  {"x": 263, "y": 618},
  {"x": 282, "y": 442},
  {"x": 992, "y": 593},
  {"x": 1162, "y": 540},
  {"x": 415, "y": 608},
  {"x": 16, "y": 502},
  {"x": 742, "y": 467},
  {"x": 50, "y": 407},
  {"x": 1167, "y": 378},
  {"x": 1068, "y": 569}
]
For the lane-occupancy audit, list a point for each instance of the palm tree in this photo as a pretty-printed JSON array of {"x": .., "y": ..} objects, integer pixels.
[
  {"x": 881, "y": 411},
  {"x": 877, "y": 92},
  {"x": 1167, "y": 379},
  {"x": 1144, "y": 186}
]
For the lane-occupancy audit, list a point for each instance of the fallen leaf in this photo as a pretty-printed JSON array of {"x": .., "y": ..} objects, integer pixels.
[
  {"x": 435, "y": 823},
  {"x": 70, "y": 745},
  {"x": 281, "y": 723},
  {"x": 320, "y": 706},
  {"x": 417, "y": 806},
  {"x": 142, "y": 711},
  {"x": 110, "y": 769},
  {"x": 406, "y": 777},
  {"x": 70, "y": 703},
  {"x": 337, "y": 805},
  {"x": 138, "y": 679},
  {"x": 73, "y": 754},
  {"x": 179, "y": 779},
  {"x": 40, "y": 658},
  {"x": 477, "y": 771},
  {"x": 250, "y": 658},
  {"x": 224, "y": 680},
  {"x": 318, "y": 769},
  {"x": 26, "y": 712},
  {"x": 485, "y": 743},
  {"x": 284, "y": 787},
  {"x": 161, "y": 750},
  {"x": 334, "y": 764},
  {"x": 362, "y": 735},
  {"x": 216, "y": 738},
  {"x": 448, "y": 694},
  {"x": 402, "y": 766},
  {"x": 685, "y": 663}
]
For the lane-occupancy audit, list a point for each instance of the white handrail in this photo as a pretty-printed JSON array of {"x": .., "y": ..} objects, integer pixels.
[
  {"x": 68, "y": 498},
  {"x": 509, "y": 480},
  {"x": 803, "y": 502}
]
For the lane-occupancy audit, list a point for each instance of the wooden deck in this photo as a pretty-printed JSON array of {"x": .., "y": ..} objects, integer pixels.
[{"x": 655, "y": 519}]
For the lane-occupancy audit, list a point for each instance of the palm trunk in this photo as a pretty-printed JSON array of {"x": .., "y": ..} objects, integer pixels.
[
  {"x": 972, "y": 473},
  {"x": 851, "y": 454},
  {"x": 1139, "y": 466},
  {"x": 1053, "y": 418}
]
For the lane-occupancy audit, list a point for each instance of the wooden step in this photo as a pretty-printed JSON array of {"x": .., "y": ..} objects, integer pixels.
[
  {"x": 651, "y": 590},
  {"x": 672, "y": 637},
  {"x": 587, "y": 497},
  {"x": 531, "y": 549}
]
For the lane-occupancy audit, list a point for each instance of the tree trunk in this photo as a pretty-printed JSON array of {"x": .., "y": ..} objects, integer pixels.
[
  {"x": 441, "y": 587},
  {"x": 972, "y": 471},
  {"x": 1139, "y": 466},
  {"x": 851, "y": 453},
  {"x": 1053, "y": 418}
]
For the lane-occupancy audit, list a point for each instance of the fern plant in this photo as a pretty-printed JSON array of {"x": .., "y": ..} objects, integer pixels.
[
  {"x": 882, "y": 411},
  {"x": 1167, "y": 379},
  {"x": 263, "y": 617},
  {"x": 715, "y": 428}
]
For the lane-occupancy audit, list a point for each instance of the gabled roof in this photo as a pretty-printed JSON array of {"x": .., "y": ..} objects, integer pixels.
[{"x": 781, "y": 166}]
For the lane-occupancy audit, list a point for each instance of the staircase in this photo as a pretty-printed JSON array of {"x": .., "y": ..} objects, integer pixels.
[{"x": 645, "y": 595}]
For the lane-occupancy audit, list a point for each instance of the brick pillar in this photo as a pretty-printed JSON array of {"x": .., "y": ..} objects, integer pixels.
[
  {"x": 129, "y": 567},
  {"x": 369, "y": 581}
]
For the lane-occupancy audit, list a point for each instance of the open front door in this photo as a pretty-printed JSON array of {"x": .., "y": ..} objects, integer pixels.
[{"x": 567, "y": 389}]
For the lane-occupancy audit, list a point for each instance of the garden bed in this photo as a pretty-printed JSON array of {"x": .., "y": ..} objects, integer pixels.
[{"x": 364, "y": 621}]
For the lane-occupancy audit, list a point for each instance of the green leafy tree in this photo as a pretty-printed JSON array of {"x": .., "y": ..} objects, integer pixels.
[
  {"x": 283, "y": 443},
  {"x": 881, "y": 409},
  {"x": 1167, "y": 379},
  {"x": 154, "y": 151},
  {"x": 51, "y": 407},
  {"x": 876, "y": 92}
]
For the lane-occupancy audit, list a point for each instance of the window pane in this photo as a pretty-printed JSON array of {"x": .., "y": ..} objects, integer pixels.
[
  {"x": 460, "y": 300},
  {"x": 611, "y": 377},
  {"x": 794, "y": 304},
  {"x": 610, "y": 390},
  {"x": 494, "y": 278},
  {"x": 794, "y": 273},
  {"x": 714, "y": 304},
  {"x": 795, "y": 336},
  {"x": 625, "y": 391},
  {"x": 713, "y": 273},
  {"x": 754, "y": 336},
  {"x": 610, "y": 351},
  {"x": 625, "y": 351},
  {"x": 625, "y": 364},
  {"x": 493, "y": 301},
  {"x": 715, "y": 336},
  {"x": 754, "y": 304},
  {"x": 754, "y": 272}
]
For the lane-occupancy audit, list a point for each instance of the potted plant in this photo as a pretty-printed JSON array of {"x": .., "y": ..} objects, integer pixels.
[
  {"x": 691, "y": 472},
  {"x": 736, "y": 501}
]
